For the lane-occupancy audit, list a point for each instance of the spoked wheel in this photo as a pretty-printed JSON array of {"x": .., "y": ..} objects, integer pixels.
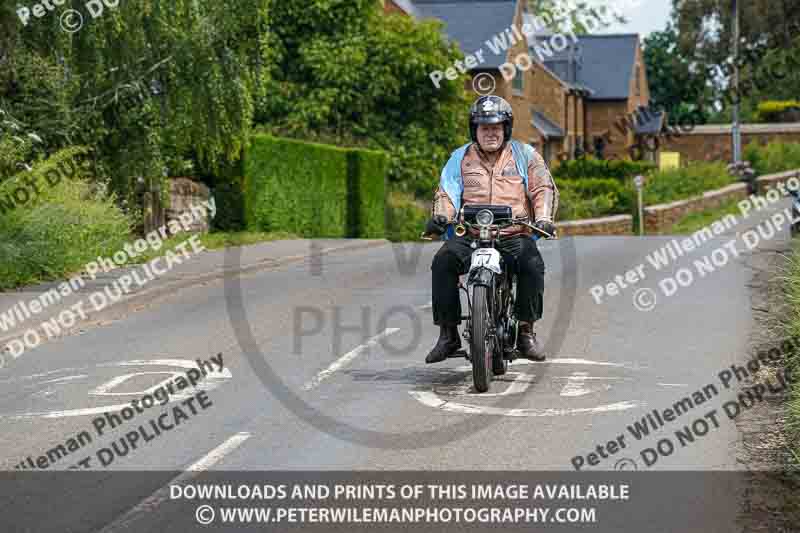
[
  {"x": 481, "y": 351},
  {"x": 499, "y": 361}
]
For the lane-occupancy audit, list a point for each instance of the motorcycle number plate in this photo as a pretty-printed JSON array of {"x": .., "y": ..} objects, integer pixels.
[{"x": 486, "y": 258}]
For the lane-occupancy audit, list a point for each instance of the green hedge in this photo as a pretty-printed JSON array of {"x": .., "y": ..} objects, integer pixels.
[
  {"x": 313, "y": 190},
  {"x": 774, "y": 157},
  {"x": 593, "y": 197},
  {"x": 61, "y": 229},
  {"x": 589, "y": 167}
]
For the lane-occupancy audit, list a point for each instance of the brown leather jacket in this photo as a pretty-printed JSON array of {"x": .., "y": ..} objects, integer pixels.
[{"x": 502, "y": 184}]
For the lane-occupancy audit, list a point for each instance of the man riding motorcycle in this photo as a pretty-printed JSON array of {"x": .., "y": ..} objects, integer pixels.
[{"x": 492, "y": 169}]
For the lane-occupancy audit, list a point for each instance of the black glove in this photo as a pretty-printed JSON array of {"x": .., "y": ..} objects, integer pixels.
[
  {"x": 546, "y": 226},
  {"x": 437, "y": 225}
]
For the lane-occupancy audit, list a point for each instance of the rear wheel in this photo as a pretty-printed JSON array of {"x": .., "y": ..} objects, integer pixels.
[{"x": 480, "y": 342}]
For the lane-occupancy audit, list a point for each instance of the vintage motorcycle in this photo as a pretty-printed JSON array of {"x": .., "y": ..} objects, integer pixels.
[
  {"x": 491, "y": 329},
  {"x": 795, "y": 227}
]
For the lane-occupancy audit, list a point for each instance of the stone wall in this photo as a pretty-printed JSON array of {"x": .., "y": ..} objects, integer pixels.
[
  {"x": 184, "y": 193},
  {"x": 613, "y": 225},
  {"x": 769, "y": 181},
  {"x": 714, "y": 143},
  {"x": 659, "y": 218}
]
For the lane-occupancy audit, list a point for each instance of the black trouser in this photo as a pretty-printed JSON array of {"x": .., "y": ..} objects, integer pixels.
[{"x": 520, "y": 255}]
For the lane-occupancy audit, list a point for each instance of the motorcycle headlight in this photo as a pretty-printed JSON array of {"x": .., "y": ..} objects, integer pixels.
[{"x": 484, "y": 217}]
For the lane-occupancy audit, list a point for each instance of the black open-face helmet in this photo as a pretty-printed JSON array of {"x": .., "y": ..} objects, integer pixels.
[{"x": 490, "y": 110}]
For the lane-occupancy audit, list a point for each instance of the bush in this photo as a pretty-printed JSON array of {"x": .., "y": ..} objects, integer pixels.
[
  {"x": 774, "y": 157},
  {"x": 406, "y": 219},
  {"x": 55, "y": 235},
  {"x": 685, "y": 182},
  {"x": 313, "y": 190},
  {"x": 593, "y": 197},
  {"x": 774, "y": 110},
  {"x": 589, "y": 167}
]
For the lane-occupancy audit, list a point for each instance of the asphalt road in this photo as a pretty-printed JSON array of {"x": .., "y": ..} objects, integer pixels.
[{"x": 323, "y": 369}]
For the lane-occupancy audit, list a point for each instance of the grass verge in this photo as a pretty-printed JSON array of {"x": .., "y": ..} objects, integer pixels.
[
  {"x": 695, "y": 221},
  {"x": 792, "y": 330}
]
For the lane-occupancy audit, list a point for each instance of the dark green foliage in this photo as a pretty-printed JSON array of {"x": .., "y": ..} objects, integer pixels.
[
  {"x": 358, "y": 78},
  {"x": 593, "y": 197},
  {"x": 589, "y": 167},
  {"x": 157, "y": 88},
  {"x": 313, "y": 190},
  {"x": 683, "y": 94},
  {"x": 367, "y": 193}
]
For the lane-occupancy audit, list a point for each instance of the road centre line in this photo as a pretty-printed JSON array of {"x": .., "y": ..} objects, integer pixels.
[
  {"x": 347, "y": 358},
  {"x": 147, "y": 505}
]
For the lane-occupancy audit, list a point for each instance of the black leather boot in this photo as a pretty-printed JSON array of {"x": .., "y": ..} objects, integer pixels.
[
  {"x": 449, "y": 343},
  {"x": 527, "y": 344}
]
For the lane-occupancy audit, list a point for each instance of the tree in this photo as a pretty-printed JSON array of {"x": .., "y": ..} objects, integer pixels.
[
  {"x": 155, "y": 87},
  {"x": 674, "y": 86},
  {"x": 347, "y": 74},
  {"x": 767, "y": 47},
  {"x": 705, "y": 26},
  {"x": 574, "y": 15}
]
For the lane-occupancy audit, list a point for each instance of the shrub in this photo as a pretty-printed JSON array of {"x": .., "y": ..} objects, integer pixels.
[
  {"x": 685, "y": 182},
  {"x": 774, "y": 110},
  {"x": 589, "y": 167},
  {"x": 593, "y": 197},
  {"x": 60, "y": 231},
  {"x": 774, "y": 157},
  {"x": 406, "y": 219}
]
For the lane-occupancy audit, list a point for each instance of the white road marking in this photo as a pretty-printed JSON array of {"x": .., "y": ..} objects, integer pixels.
[
  {"x": 575, "y": 385},
  {"x": 213, "y": 380},
  {"x": 673, "y": 384},
  {"x": 113, "y": 383},
  {"x": 565, "y": 361},
  {"x": 346, "y": 358},
  {"x": 147, "y": 505},
  {"x": 65, "y": 378},
  {"x": 428, "y": 305},
  {"x": 519, "y": 385},
  {"x": 432, "y": 400}
]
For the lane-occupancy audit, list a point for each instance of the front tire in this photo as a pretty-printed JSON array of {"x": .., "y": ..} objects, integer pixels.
[{"x": 480, "y": 348}]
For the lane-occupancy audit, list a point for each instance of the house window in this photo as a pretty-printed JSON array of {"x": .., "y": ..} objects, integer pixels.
[
  {"x": 517, "y": 83},
  {"x": 638, "y": 82}
]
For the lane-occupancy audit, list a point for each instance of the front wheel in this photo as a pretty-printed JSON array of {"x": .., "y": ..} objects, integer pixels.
[{"x": 480, "y": 347}]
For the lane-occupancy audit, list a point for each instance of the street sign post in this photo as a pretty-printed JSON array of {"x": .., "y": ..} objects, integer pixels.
[{"x": 638, "y": 182}]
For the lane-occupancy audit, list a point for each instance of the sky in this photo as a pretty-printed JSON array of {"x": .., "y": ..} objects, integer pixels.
[{"x": 647, "y": 16}]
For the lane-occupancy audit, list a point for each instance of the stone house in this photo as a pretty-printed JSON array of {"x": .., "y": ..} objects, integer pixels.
[{"x": 570, "y": 94}]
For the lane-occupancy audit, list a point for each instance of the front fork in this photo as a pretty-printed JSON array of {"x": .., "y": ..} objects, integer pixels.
[{"x": 480, "y": 276}]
